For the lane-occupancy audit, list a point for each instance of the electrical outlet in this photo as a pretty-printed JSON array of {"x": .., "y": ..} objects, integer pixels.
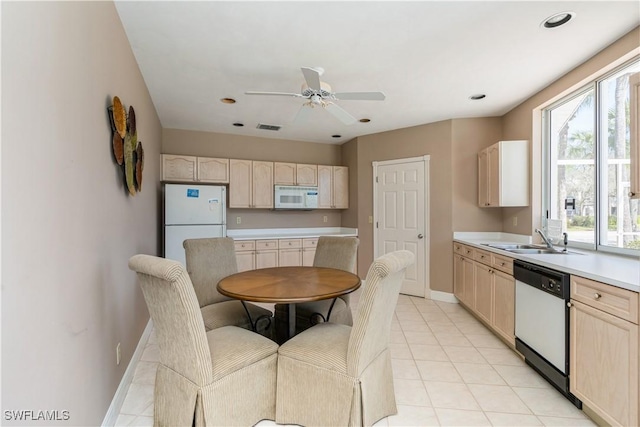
[
  {"x": 515, "y": 221},
  {"x": 324, "y": 218},
  {"x": 238, "y": 220},
  {"x": 118, "y": 355},
  {"x": 370, "y": 219}
]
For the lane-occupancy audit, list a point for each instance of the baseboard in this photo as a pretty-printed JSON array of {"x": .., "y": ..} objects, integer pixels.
[
  {"x": 443, "y": 296},
  {"x": 118, "y": 399}
]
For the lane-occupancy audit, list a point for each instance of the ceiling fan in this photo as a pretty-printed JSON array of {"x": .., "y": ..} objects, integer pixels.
[{"x": 319, "y": 94}]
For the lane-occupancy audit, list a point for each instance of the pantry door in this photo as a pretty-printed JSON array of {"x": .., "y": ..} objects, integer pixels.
[{"x": 400, "y": 199}]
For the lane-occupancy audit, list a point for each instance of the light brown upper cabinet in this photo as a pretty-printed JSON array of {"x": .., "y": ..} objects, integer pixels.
[
  {"x": 295, "y": 174},
  {"x": 178, "y": 168},
  {"x": 634, "y": 110},
  {"x": 250, "y": 184},
  {"x": 503, "y": 174},
  {"x": 333, "y": 187}
]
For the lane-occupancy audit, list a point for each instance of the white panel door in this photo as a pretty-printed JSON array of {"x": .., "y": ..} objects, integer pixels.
[{"x": 401, "y": 220}]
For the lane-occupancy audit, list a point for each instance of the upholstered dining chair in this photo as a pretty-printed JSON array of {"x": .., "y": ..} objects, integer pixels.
[
  {"x": 210, "y": 260},
  {"x": 337, "y": 375},
  {"x": 332, "y": 252},
  {"x": 226, "y": 376}
]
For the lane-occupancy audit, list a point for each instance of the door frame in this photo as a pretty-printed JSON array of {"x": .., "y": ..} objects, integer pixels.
[{"x": 427, "y": 232}]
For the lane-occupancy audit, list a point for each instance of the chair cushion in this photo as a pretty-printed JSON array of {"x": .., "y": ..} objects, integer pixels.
[
  {"x": 231, "y": 313},
  {"x": 234, "y": 348},
  {"x": 323, "y": 345}
]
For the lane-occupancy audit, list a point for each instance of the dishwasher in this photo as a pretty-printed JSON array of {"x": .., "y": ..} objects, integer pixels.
[{"x": 542, "y": 323}]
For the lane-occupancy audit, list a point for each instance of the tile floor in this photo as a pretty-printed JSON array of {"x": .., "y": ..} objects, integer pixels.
[{"x": 449, "y": 370}]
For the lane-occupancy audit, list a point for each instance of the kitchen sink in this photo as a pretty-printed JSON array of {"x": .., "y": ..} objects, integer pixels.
[
  {"x": 528, "y": 249},
  {"x": 507, "y": 247}
]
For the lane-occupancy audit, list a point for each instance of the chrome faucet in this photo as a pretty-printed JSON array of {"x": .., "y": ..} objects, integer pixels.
[{"x": 544, "y": 238}]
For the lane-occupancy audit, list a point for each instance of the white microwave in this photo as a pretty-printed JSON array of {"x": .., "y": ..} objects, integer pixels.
[{"x": 295, "y": 197}]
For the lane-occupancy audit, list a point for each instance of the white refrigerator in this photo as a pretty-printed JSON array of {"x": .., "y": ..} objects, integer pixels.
[{"x": 192, "y": 212}]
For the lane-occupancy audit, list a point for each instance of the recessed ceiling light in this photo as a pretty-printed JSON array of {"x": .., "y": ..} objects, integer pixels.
[
  {"x": 228, "y": 100},
  {"x": 558, "y": 19},
  {"x": 336, "y": 136},
  {"x": 364, "y": 120},
  {"x": 237, "y": 124},
  {"x": 478, "y": 96}
]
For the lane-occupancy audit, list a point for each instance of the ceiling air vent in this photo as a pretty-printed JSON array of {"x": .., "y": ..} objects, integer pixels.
[{"x": 269, "y": 127}]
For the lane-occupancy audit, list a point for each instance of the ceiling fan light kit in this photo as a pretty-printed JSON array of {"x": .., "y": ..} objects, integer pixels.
[{"x": 319, "y": 93}]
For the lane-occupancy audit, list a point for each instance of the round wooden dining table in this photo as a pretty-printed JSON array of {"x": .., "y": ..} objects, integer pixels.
[{"x": 288, "y": 285}]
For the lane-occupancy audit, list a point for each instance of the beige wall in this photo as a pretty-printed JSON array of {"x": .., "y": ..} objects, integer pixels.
[
  {"x": 68, "y": 227},
  {"x": 523, "y": 122},
  {"x": 350, "y": 157},
  {"x": 210, "y": 144}
]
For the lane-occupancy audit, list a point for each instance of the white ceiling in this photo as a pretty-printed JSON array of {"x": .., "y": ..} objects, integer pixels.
[{"x": 427, "y": 57}]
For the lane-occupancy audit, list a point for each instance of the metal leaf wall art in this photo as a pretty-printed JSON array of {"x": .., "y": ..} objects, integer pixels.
[{"x": 127, "y": 150}]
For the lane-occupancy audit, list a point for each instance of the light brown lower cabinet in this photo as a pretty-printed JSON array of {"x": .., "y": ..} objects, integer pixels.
[
  {"x": 604, "y": 350},
  {"x": 463, "y": 276},
  {"x": 483, "y": 292},
  {"x": 504, "y": 309}
]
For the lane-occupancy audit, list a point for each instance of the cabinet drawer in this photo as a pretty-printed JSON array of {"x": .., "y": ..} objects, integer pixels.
[
  {"x": 245, "y": 245},
  {"x": 610, "y": 299},
  {"x": 309, "y": 243},
  {"x": 459, "y": 248},
  {"x": 502, "y": 263},
  {"x": 464, "y": 250},
  {"x": 482, "y": 256},
  {"x": 289, "y": 243},
  {"x": 266, "y": 244}
]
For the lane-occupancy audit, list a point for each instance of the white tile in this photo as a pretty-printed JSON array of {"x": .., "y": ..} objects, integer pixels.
[
  {"x": 460, "y": 316},
  {"x": 400, "y": 351},
  {"x": 498, "y": 398},
  {"x": 510, "y": 420},
  {"x": 450, "y": 395},
  {"x": 404, "y": 299},
  {"x": 435, "y": 317},
  {"x": 152, "y": 337},
  {"x": 124, "y": 420},
  {"x": 406, "y": 308},
  {"x": 151, "y": 353},
  {"x": 448, "y": 306},
  {"x": 409, "y": 316},
  {"x": 486, "y": 341},
  {"x": 397, "y": 337},
  {"x": 405, "y": 369},
  {"x": 496, "y": 356},
  {"x": 464, "y": 354},
  {"x": 455, "y": 339},
  {"x": 414, "y": 325},
  {"x": 145, "y": 373},
  {"x": 138, "y": 399},
  {"x": 438, "y": 371},
  {"x": 521, "y": 376},
  {"x": 474, "y": 373},
  {"x": 414, "y": 416},
  {"x": 428, "y": 352},
  {"x": 572, "y": 422},
  {"x": 143, "y": 421},
  {"x": 411, "y": 392},
  {"x": 546, "y": 401},
  {"x": 472, "y": 327},
  {"x": 381, "y": 423},
  {"x": 443, "y": 328},
  {"x": 424, "y": 337},
  {"x": 457, "y": 417}
]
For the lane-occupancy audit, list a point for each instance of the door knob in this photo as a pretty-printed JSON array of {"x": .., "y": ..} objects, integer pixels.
[{"x": 420, "y": 236}]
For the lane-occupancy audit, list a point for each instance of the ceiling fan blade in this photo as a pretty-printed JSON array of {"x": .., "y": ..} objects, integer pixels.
[
  {"x": 304, "y": 114},
  {"x": 274, "y": 94},
  {"x": 312, "y": 77},
  {"x": 360, "y": 96},
  {"x": 340, "y": 114}
]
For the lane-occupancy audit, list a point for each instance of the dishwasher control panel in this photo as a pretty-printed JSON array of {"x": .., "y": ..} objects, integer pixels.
[{"x": 551, "y": 281}]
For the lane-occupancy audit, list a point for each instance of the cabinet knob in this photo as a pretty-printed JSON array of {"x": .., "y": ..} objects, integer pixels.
[
  {"x": 502, "y": 264},
  {"x": 569, "y": 305},
  {"x": 631, "y": 193},
  {"x": 481, "y": 256},
  {"x": 597, "y": 296}
]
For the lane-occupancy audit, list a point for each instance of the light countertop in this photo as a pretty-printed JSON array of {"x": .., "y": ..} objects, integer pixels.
[
  {"x": 290, "y": 233},
  {"x": 616, "y": 270}
]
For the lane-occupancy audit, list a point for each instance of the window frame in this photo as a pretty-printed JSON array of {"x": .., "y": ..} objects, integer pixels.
[{"x": 599, "y": 157}]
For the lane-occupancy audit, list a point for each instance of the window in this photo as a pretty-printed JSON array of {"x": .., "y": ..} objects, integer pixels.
[{"x": 587, "y": 165}]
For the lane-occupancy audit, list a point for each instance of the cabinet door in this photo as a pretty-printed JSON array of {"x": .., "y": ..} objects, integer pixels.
[
  {"x": 308, "y": 254},
  {"x": 494, "y": 175},
  {"x": 340, "y": 187},
  {"x": 290, "y": 257},
  {"x": 179, "y": 168},
  {"x": 213, "y": 170},
  {"x": 267, "y": 258},
  {"x": 240, "y": 179},
  {"x": 458, "y": 277},
  {"x": 483, "y": 178},
  {"x": 504, "y": 305},
  {"x": 468, "y": 283},
  {"x": 284, "y": 173},
  {"x": 634, "y": 102},
  {"x": 325, "y": 187},
  {"x": 603, "y": 356},
  {"x": 262, "y": 185},
  {"x": 246, "y": 260},
  {"x": 483, "y": 292},
  {"x": 307, "y": 174}
]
